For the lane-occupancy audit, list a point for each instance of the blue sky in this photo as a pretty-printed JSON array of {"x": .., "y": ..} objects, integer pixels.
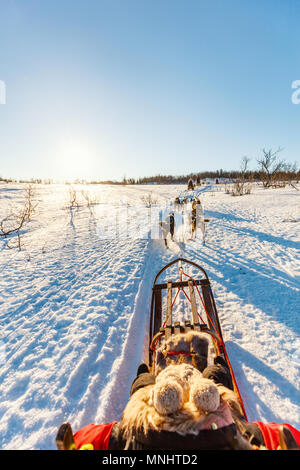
[{"x": 99, "y": 89}]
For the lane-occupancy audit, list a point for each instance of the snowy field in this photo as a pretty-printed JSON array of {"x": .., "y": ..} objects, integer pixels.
[{"x": 74, "y": 302}]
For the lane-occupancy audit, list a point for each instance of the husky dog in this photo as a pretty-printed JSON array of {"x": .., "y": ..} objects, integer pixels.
[
  {"x": 177, "y": 202},
  {"x": 168, "y": 227},
  {"x": 197, "y": 219}
]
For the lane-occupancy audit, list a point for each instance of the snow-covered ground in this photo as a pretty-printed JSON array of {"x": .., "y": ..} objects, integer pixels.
[{"x": 74, "y": 302}]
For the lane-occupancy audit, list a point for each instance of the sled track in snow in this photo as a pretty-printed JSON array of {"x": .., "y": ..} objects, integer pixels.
[{"x": 135, "y": 347}]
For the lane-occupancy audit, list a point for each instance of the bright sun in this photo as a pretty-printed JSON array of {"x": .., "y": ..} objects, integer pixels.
[{"x": 74, "y": 158}]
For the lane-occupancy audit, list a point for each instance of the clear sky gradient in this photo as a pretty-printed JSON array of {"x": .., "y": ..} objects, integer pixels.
[{"x": 99, "y": 89}]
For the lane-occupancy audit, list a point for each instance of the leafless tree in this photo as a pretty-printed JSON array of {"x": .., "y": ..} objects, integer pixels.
[{"x": 271, "y": 167}]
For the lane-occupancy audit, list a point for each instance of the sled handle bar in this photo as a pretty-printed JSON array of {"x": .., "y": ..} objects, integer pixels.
[{"x": 180, "y": 260}]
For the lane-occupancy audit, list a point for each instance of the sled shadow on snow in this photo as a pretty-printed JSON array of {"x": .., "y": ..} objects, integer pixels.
[
  {"x": 228, "y": 216},
  {"x": 255, "y": 284},
  {"x": 261, "y": 236},
  {"x": 242, "y": 357}
]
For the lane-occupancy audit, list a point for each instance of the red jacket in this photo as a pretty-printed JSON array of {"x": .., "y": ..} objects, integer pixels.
[
  {"x": 99, "y": 435},
  {"x": 96, "y": 434},
  {"x": 270, "y": 432}
]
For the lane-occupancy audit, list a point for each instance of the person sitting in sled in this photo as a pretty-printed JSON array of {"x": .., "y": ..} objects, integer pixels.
[
  {"x": 190, "y": 185},
  {"x": 181, "y": 408}
]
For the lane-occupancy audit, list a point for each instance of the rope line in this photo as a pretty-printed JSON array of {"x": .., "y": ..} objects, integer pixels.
[{"x": 223, "y": 346}]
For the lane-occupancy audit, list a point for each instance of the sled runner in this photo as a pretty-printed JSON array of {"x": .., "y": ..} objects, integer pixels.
[{"x": 202, "y": 318}]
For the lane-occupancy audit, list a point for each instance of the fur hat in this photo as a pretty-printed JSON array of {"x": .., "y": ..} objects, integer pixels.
[
  {"x": 181, "y": 400},
  {"x": 193, "y": 345}
]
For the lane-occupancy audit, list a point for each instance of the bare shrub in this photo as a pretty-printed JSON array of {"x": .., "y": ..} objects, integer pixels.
[
  {"x": 227, "y": 188},
  {"x": 238, "y": 188},
  {"x": 81, "y": 198},
  {"x": 248, "y": 187},
  {"x": 242, "y": 185},
  {"x": 30, "y": 202},
  {"x": 149, "y": 200},
  {"x": 91, "y": 201},
  {"x": 73, "y": 202},
  {"x": 12, "y": 223}
]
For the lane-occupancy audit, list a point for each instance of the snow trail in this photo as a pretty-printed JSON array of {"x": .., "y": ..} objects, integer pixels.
[{"x": 75, "y": 307}]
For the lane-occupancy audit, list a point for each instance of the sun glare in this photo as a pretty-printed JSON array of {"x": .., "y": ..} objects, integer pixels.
[{"x": 75, "y": 158}]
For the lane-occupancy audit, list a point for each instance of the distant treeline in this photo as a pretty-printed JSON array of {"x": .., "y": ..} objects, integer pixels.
[
  {"x": 171, "y": 179},
  {"x": 218, "y": 174},
  {"x": 27, "y": 181}
]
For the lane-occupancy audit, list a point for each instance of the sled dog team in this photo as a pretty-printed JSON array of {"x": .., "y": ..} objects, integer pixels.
[{"x": 196, "y": 220}]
